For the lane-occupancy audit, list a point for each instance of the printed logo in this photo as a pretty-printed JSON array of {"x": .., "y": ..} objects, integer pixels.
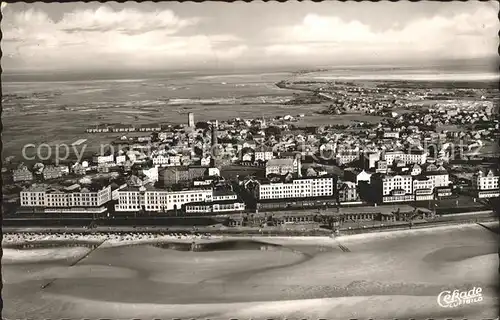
[{"x": 455, "y": 298}]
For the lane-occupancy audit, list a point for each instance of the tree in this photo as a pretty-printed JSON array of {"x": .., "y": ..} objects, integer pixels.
[
  {"x": 273, "y": 131},
  {"x": 202, "y": 125}
]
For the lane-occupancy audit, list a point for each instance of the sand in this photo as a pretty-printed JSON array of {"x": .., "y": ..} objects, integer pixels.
[{"x": 384, "y": 275}]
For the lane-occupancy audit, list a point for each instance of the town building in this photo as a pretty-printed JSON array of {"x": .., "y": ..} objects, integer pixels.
[
  {"x": 391, "y": 188},
  {"x": 79, "y": 169},
  {"x": 160, "y": 160},
  {"x": 223, "y": 195},
  {"x": 98, "y": 158},
  {"x": 263, "y": 154},
  {"x": 407, "y": 157},
  {"x": 123, "y": 128},
  {"x": 151, "y": 173},
  {"x": 348, "y": 193},
  {"x": 120, "y": 159},
  {"x": 439, "y": 175},
  {"x": 423, "y": 188},
  {"x": 51, "y": 172},
  {"x": 98, "y": 128},
  {"x": 381, "y": 166},
  {"x": 72, "y": 199},
  {"x": 283, "y": 166},
  {"x": 357, "y": 176},
  {"x": 179, "y": 174},
  {"x": 215, "y": 207},
  {"x": 370, "y": 160},
  {"x": 307, "y": 187},
  {"x": 390, "y": 134},
  {"x": 152, "y": 127},
  {"x": 345, "y": 158},
  {"x": 22, "y": 173},
  {"x": 415, "y": 170},
  {"x": 148, "y": 198},
  {"x": 485, "y": 183}
]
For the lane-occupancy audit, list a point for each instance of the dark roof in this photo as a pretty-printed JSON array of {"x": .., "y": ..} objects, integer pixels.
[{"x": 218, "y": 193}]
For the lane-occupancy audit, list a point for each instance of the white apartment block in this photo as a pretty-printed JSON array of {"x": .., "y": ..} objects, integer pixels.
[
  {"x": 297, "y": 188},
  {"x": 65, "y": 198},
  {"x": 103, "y": 159},
  {"x": 136, "y": 199}
]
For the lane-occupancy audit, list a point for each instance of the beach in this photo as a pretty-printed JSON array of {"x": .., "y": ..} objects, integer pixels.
[{"x": 383, "y": 275}]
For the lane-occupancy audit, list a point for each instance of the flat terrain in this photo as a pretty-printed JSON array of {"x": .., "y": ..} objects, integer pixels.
[{"x": 382, "y": 276}]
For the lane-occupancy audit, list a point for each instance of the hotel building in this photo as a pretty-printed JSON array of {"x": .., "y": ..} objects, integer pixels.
[
  {"x": 485, "y": 183},
  {"x": 132, "y": 199},
  {"x": 283, "y": 166},
  {"x": 308, "y": 187},
  {"x": 423, "y": 188},
  {"x": 71, "y": 199},
  {"x": 392, "y": 188},
  {"x": 407, "y": 157}
]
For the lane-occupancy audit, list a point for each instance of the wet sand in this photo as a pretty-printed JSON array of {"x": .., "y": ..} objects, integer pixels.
[{"x": 386, "y": 275}]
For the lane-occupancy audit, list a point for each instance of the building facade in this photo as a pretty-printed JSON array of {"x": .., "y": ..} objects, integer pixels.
[
  {"x": 485, "y": 183},
  {"x": 22, "y": 174},
  {"x": 297, "y": 188},
  {"x": 71, "y": 198},
  {"x": 283, "y": 166},
  {"x": 51, "y": 172},
  {"x": 174, "y": 175},
  {"x": 392, "y": 188},
  {"x": 136, "y": 199}
]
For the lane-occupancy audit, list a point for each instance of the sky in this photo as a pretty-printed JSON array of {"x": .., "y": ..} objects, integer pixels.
[{"x": 121, "y": 36}]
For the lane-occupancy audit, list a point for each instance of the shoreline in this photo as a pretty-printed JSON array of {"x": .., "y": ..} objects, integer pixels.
[
  {"x": 116, "y": 238},
  {"x": 232, "y": 231}
]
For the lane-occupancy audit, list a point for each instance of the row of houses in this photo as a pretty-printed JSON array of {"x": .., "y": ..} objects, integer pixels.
[
  {"x": 103, "y": 128},
  {"x": 22, "y": 173}
]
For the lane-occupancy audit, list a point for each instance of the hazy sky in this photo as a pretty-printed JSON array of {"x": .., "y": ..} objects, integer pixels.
[{"x": 88, "y": 36}]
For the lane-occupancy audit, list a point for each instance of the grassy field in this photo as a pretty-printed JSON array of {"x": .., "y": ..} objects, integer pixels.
[{"x": 66, "y": 126}]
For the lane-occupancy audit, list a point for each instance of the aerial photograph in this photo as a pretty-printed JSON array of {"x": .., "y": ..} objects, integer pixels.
[{"x": 260, "y": 160}]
